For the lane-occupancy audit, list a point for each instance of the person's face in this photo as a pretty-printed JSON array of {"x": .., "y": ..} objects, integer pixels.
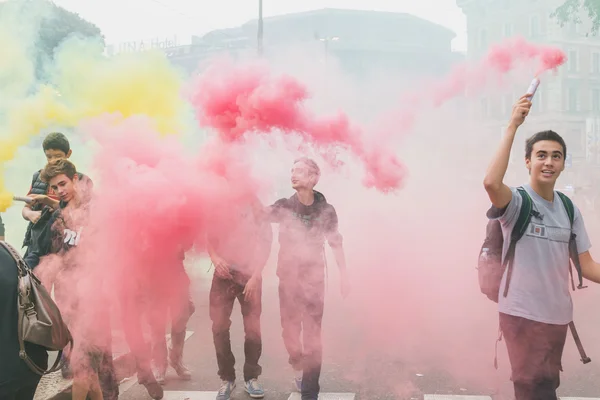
[
  {"x": 302, "y": 176},
  {"x": 53, "y": 154},
  {"x": 64, "y": 187},
  {"x": 547, "y": 161}
]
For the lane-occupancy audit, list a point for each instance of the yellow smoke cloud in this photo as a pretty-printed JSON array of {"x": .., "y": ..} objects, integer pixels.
[
  {"x": 87, "y": 84},
  {"x": 129, "y": 84}
]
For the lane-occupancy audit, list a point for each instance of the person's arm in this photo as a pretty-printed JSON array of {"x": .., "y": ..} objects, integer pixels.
[
  {"x": 2, "y": 232},
  {"x": 590, "y": 269},
  {"x": 221, "y": 266},
  {"x": 335, "y": 240},
  {"x": 274, "y": 212},
  {"x": 263, "y": 248},
  {"x": 498, "y": 192},
  {"x": 260, "y": 256}
]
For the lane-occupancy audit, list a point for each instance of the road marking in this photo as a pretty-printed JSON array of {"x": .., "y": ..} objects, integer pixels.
[
  {"x": 189, "y": 395},
  {"x": 454, "y": 397},
  {"x": 128, "y": 383},
  {"x": 463, "y": 397},
  {"x": 326, "y": 396}
]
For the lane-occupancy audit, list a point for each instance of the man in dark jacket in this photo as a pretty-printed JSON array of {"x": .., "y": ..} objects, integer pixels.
[
  {"x": 17, "y": 381},
  {"x": 306, "y": 221}
]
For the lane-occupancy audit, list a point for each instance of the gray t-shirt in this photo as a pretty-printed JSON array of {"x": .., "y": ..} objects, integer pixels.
[{"x": 539, "y": 287}]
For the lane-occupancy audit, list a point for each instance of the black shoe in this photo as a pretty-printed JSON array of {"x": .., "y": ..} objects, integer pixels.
[{"x": 154, "y": 390}]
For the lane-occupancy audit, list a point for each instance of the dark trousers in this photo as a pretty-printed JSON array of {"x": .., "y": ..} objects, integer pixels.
[
  {"x": 223, "y": 293},
  {"x": 535, "y": 352},
  {"x": 24, "y": 392},
  {"x": 301, "y": 314},
  {"x": 180, "y": 308},
  {"x": 134, "y": 308}
]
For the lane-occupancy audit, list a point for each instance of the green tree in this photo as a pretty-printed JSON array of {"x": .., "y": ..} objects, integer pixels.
[
  {"x": 56, "y": 25},
  {"x": 570, "y": 11}
]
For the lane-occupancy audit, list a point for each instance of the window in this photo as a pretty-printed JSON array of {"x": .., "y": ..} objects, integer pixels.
[
  {"x": 506, "y": 105},
  {"x": 595, "y": 100},
  {"x": 483, "y": 39},
  {"x": 573, "y": 100},
  {"x": 573, "y": 61},
  {"x": 508, "y": 30},
  {"x": 534, "y": 26},
  {"x": 485, "y": 107},
  {"x": 595, "y": 63}
]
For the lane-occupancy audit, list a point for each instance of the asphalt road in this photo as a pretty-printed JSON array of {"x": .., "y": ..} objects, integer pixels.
[{"x": 379, "y": 377}]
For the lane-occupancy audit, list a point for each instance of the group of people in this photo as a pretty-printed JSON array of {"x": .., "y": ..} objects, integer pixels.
[
  {"x": 534, "y": 314},
  {"x": 239, "y": 247}
]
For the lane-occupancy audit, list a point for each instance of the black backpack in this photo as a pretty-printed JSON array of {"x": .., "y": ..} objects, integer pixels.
[{"x": 491, "y": 267}]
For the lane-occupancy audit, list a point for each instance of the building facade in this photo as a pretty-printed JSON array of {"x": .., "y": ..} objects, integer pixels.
[
  {"x": 361, "y": 41},
  {"x": 568, "y": 102}
]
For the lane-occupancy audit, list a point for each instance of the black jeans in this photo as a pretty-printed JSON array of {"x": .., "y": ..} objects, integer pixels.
[
  {"x": 223, "y": 293},
  {"x": 301, "y": 308},
  {"x": 180, "y": 307},
  {"x": 24, "y": 392},
  {"x": 535, "y": 352}
]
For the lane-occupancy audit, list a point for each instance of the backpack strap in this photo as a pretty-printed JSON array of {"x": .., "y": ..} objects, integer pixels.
[
  {"x": 517, "y": 233},
  {"x": 573, "y": 253}
]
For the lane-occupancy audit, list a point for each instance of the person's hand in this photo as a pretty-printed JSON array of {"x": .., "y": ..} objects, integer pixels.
[
  {"x": 251, "y": 288},
  {"x": 34, "y": 216},
  {"x": 520, "y": 111},
  {"x": 345, "y": 285},
  {"x": 221, "y": 267},
  {"x": 41, "y": 199}
]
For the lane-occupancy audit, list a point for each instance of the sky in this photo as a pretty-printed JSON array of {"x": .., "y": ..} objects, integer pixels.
[{"x": 126, "y": 20}]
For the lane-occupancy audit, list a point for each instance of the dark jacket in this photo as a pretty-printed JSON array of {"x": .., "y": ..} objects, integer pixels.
[
  {"x": 14, "y": 373},
  {"x": 40, "y": 187},
  {"x": 303, "y": 231}
]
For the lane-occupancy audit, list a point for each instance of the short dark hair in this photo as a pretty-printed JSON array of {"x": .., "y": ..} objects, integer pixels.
[
  {"x": 312, "y": 165},
  {"x": 56, "y": 141},
  {"x": 544, "y": 135},
  {"x": 58, "y": 167}
]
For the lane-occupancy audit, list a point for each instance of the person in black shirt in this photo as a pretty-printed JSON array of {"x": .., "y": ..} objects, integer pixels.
[
  {"x": 306, "y": 221},
  {"x": 17, "y": 381}
]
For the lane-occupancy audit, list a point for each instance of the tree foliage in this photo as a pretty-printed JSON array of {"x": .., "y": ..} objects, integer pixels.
[
  {"x": 571, "y": 10},
  {"x": 56, "y": 25},
  {"x": 62, "y": 23}
]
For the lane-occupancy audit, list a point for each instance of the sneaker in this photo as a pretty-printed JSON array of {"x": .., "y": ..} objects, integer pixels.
[
  {"x": 160, "y": 374},
  {"x": 154, "y": 390},
  {"x": 182, "y": 371},
  {"x": 255, "y": 389},
  {"x": 225, "y": 390},
  {"x": 298, "y": 381}
]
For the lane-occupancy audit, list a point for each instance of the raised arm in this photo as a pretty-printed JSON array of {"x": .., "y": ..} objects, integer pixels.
[{"x": 498, "y": 192}]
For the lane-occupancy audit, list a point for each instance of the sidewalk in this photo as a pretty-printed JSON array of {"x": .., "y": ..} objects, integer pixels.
[{"x": 54, "y": 386}]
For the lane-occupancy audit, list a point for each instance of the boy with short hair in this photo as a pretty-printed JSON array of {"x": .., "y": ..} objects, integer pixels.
[
  {"x": 62, "y": 234},
  {"x": 535, "y": 305},
  {"x": 306, "y": 220},
  {"x": 55, "y": 146}
]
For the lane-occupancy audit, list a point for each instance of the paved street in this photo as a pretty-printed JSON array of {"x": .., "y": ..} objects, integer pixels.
[{"x": 366, "y": 378}]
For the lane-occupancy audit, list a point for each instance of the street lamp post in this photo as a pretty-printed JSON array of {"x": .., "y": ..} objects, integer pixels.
[
  {"x": 260, "y": 27},
  {"x": 326, "y": 41}
]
